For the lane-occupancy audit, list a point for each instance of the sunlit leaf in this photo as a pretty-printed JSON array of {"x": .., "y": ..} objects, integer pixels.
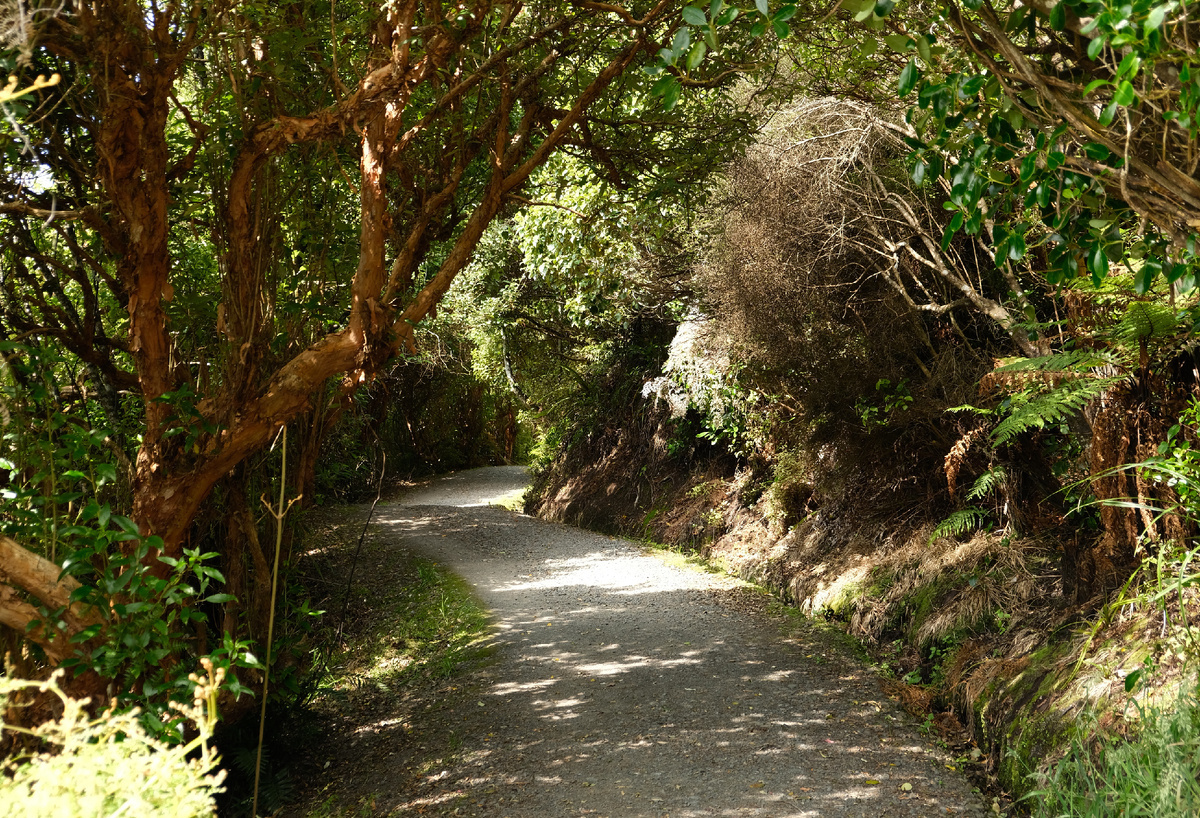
[
  {"x": 683, "y": 39},
  {"x": 1124, "y": 94},
  {"x": 728, "y": 16}
]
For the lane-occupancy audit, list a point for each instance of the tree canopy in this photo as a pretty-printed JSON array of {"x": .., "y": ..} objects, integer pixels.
[{"x": 227, "y": 217}]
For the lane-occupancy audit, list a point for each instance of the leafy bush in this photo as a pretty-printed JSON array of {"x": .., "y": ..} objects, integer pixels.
[
  {"x": 789, "y": 490},
  {"x": 110, "y": 765},
  {"x": 62, "y": 479},
  {"x": 146, "y": 625}
]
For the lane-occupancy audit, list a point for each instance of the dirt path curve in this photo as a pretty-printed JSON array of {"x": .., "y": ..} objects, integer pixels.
[{"x": 623, "y": 686}]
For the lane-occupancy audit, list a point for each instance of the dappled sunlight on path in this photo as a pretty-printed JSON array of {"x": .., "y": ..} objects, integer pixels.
[{"x": 622, "y": 686}]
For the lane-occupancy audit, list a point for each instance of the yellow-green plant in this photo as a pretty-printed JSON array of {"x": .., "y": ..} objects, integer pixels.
[{"x": 109, "y": 766}]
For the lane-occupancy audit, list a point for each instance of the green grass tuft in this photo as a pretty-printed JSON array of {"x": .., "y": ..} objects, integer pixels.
[{"x": 1155, "y": 773}]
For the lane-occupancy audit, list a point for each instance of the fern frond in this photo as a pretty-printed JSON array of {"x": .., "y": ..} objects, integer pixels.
[
  {"x": 960, "y": 522},
  {"x": 1051, "y": 407},
  {"x": 1145, "y": 319},
  {"x": 987, "y": 482},
  {"x": 974, "y": 410},
  {"x": 1073, "y": 360}
]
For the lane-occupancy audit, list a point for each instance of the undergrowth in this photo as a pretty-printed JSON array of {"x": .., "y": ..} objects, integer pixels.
[
  {"x": 1152, "y": 775},
  {"x": 423, "y": 627},
  {"x": 110, "y": 765}
]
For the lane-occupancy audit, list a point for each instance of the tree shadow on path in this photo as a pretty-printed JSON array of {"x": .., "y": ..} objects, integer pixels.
[{"x": 618, "y": 685}]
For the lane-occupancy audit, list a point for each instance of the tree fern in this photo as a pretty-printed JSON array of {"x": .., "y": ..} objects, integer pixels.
[
  {"x": 961, "y": 522},
  {"x": 1038, "y": 409},
  {"x": 1143, "y": 320}
]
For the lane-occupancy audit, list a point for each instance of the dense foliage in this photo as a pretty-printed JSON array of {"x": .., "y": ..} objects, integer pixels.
[{"x": 220, "y": 219}]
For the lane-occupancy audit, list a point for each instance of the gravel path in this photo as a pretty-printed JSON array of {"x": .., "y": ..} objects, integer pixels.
[{"x": 623, "y": 686}]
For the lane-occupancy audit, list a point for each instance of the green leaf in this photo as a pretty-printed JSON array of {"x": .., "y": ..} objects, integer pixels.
[
  {"x": 1016, "y": 19},
  {"x": 683, "y": 39},
  {"x": 908, "y": 79},
  {"x": 785, "y": 13},
  {"x": 1155, "y": 18},
  {"x": 696, "y": 55},
  {"x": 972, "y": 87},
  {"x": 672, "y": 93},
  {"x": 1144, "y": 277},
  {"x": 1130, "y": 65},
  {"x": 86, "y": 634},
  {"x": 1028, "y": 166},
  {"x": 1098, "y": 262},
  {"x": 660, "y": 86},
  {"x": 1124, "y": 94},
  {"x": 219, "y": 599},
  {"x": 714, "y": 8},
  {"x": 923, "y": 50},
  {"x": 1095, "y": 47},
  {"x": 694, "y": 16},
  {"x": 106, "y": 472},
  {"x": 761, "y": 5},
  {"x": 951, "y": 229},
  {"x": 782, "y": 29},
  {"x": 758, "y": 29},
  {"x": 899, "y": 42},
  {"x": 1108, "y": 114},
  {"x": 1016, "y": 247},
  {"x": 1058, "y": 16},
  {"x": 125, "y": 524},
  {"x": 884, "y": 7},
  {"x": 1001, "y": 253},
  {"x": 210, "y": 572},
  {"x": 728, "y": 16}
]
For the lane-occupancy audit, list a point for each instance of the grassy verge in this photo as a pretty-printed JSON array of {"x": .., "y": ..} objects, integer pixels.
[
  {"x": 421, "y": 627},
  {"x": 1154, "y": 774},
  {"x": 412, "y": 631}
]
